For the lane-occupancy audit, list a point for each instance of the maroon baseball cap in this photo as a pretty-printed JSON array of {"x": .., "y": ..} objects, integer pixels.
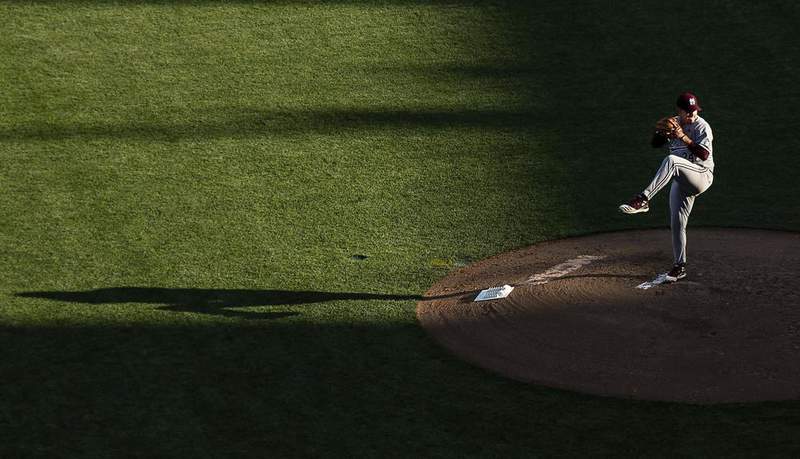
[{"x": 688, "y": 102}]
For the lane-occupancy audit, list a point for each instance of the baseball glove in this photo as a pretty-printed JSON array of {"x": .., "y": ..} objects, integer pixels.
[{"x": 669, "y": 127}]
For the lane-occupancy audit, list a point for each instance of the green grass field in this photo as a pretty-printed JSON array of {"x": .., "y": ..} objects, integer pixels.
[{"x": 184, "y": 186}]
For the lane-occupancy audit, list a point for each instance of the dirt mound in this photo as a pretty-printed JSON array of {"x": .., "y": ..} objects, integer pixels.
[{"x": 576, "y": 320}]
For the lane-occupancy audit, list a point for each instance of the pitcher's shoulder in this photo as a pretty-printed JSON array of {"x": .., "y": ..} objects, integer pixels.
[{"x": 702, "y": 123}]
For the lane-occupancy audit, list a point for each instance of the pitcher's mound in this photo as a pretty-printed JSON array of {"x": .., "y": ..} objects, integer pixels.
[{"x": 576, "y": 320}]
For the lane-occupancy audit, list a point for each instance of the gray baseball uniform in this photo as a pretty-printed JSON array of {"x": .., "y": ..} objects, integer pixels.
[{"x": 690, "y": 177}]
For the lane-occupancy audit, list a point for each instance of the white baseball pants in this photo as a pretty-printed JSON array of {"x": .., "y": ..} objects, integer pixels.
[{"x": 689, "y": 180}]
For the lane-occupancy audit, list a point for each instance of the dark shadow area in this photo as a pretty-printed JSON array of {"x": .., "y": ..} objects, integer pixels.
[
  {"x": 249, "y": 122},
  {"x": 212, "y": 301},
  {"x": 292, "y": 389},
  {"x": 219, "y": 297}
]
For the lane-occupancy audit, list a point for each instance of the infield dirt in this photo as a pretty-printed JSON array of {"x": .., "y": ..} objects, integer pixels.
[{"x": 729, "y": 332}]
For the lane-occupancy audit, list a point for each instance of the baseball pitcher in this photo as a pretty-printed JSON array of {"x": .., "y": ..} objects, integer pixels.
[{"x": 690, "y": 168}]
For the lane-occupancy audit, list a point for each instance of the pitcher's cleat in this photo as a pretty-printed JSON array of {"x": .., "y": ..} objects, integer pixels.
[
  {"x": 638, "y": 204},
  {"x": 677, "y": 273}
]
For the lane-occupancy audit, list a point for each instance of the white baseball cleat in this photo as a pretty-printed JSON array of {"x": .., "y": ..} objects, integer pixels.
[
  {"x": 677, "y": 273},
  {"x": 636, "y": 205}
]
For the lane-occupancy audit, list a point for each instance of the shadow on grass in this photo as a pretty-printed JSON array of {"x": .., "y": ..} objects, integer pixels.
[
  {"x": 212, "y": 301},
  {"x": 250, "y": 122},
  {"x": 293, "y": 389},
  {"x": 283, "y": 390}
]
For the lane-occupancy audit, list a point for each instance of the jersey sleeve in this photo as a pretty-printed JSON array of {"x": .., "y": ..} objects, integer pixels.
[{"x": 704, "y": 137}]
